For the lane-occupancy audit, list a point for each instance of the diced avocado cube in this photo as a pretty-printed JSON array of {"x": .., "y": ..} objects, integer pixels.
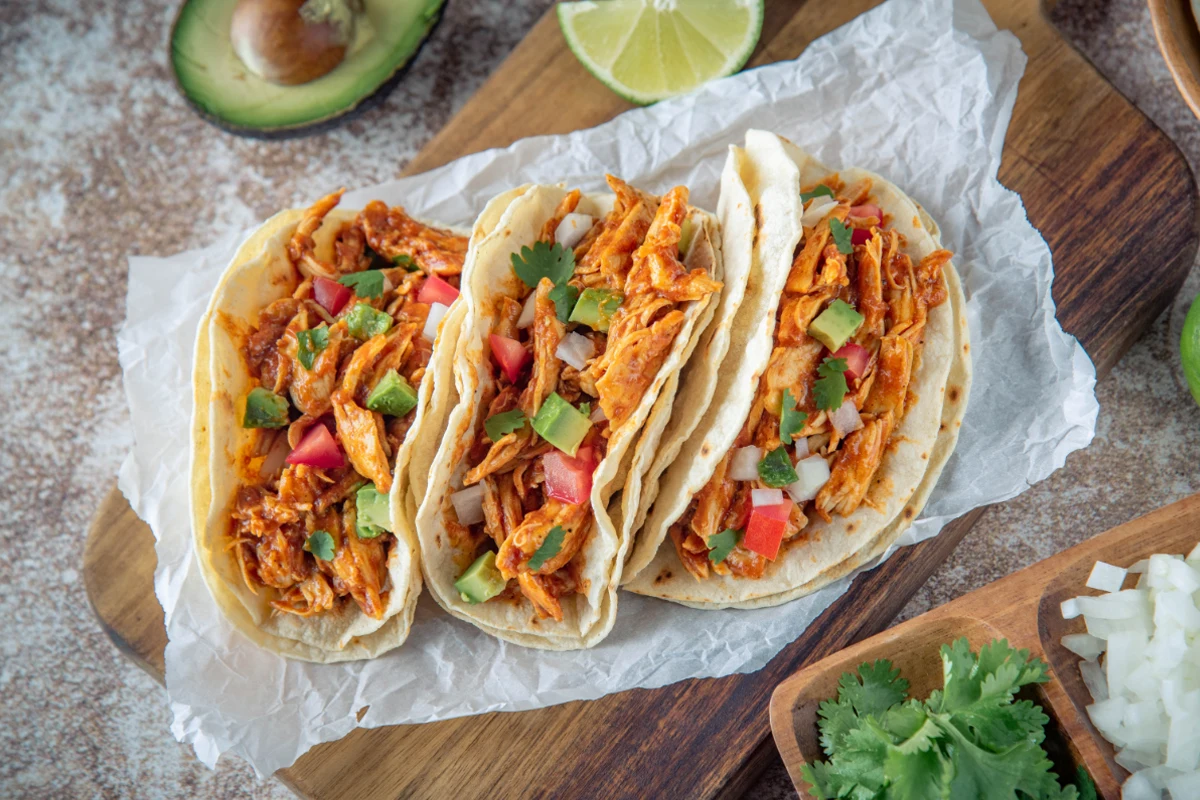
[
  {"x": 393, "y": 395},
  {"x": 687, "y": 231},
  {"x": 373, "y": 515},
  {"x": 595, "y": 308},
  {"x": 561, "y": 424},
  {"x": 482, "y": 580},
  {"x": 835, "y": 325},
  {"x": 363, "y": 322},
  {"x": 265, "y": 409}
]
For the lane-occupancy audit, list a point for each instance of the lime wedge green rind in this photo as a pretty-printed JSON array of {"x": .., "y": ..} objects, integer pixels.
[{"x": 648, "y": 50}]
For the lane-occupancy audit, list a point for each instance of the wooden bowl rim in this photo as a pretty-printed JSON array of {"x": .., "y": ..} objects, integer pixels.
[{"x": 1177, "y": 43}]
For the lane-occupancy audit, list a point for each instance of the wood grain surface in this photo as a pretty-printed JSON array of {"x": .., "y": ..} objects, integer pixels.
[
  {"x": 1110, "y": 193},
  {"x": 1023, "y": 608}
]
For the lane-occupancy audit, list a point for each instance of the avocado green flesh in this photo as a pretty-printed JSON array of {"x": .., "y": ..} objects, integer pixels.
[
  {"x": 392, "y": 395},
  {"x": 372, "y": 514},
  {"x": 595, "y": 308},
  {"x": 217, "y": 81},
  {"x": 265, "y": 409},
  {"x": 835, "y": 325},
  {"x": 561, "y": 424},
  {"x": 482, "y": 580}
]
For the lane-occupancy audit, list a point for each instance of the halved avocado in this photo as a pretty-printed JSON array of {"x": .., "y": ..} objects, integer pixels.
[{"x": 216, "y": 82}]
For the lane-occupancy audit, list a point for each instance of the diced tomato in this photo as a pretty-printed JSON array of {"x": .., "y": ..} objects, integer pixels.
[
  {"x": 857, "y": 358},
  {"x": 764, "y": 533},
  {"x": 317, "y": 448},
  {"x": 860, "y": 236},
  {"x": 509, "y": 354},
  {"x": 436, "y": 290},
  {"x": 569, "y": 479},
  {"x": 867, "y": 210},
  {"x": 331, "y": 295}
]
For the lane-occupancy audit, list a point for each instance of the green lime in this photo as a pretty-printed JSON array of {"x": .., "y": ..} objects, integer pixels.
[
  {"x": 647, "y": 50},
  {"x": 1189, "y": 348}
]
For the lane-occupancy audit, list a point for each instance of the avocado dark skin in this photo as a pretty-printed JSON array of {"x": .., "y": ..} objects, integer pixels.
[{"x": 316, "y": 126}]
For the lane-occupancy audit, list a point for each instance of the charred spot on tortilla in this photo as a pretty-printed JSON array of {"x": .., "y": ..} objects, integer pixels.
[
  {"x": 909, "y": 512},
  {"x": 954, "y": 394},
  {"x": 916, "y": 222},
  {"x": 942, "y": 427},
  {"x": 924, "y": 456},
  {"x": 966, "y": 347},
  {"x": 705, "y": 448}
]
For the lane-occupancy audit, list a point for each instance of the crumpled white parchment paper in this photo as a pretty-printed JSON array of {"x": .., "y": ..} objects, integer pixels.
[{"x": 919, "y": 90}]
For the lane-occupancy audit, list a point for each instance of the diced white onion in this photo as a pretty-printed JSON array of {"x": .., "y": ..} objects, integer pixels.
[
  {"x": 1093, "y": 679},
  {"x": 801, "y": 444},
  {"x": 468, "y": 504},
  {"x": 436, "y": 312},
  {"x": 766, "y": 497},
  {"x": 1145, "y": 686},
  {"x": 812, "y": 474},
  {"x": 527, "y": 311},
  {"x": 845, "y": 420},
  {"x": 598, "y": 414},
  {"x": 1070, "y": 608},
  {"x": 575, "y": 350},
  {"x": 818, "y": 209},
  {"x": 1105, "y": 577},
  {"x": 744, "y": 466},
  {"x": 1084, "y": 645},
  {"x": 572, "y": 229}
]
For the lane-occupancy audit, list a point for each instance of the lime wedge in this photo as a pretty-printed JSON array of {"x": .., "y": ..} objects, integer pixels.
[{"x": 647, "y": 50}]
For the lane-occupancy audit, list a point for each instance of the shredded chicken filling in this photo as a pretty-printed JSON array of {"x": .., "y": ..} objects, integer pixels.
[
  {"x": 280, "y": 506},
  {"x": 894, "y": 297}
]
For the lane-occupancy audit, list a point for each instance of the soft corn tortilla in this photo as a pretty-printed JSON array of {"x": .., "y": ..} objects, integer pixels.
[
  {"x": 261, "y": 273},
  {"x": 588, "y": 616},
  {"x": 920, "y": 446}
]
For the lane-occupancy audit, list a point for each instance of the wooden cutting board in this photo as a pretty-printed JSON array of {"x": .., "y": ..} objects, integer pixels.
[
  {"x": 1111, "y": 194},
  {"x": 1025, "y": 609}
]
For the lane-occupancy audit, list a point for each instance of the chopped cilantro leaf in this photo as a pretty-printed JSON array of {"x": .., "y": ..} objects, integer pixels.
[
  {"x": 722, "y": 544},
  {"x": 311, "y": 344},
  {"x": 549, "y": 548},
  {"x": 500, "y": 425},
  {"x": 564, "y": 296},
  {"x": 405, "y": 260},
  {"x": 320, "y": 544},
  {"x": 364, "y": 284},
  {"x": 776, "y": 470},
  {"x": 543, "y": 261},
  {"x": 968, "y": 740},
  {"x": 791, "y": 421},
  {"x": 841, "y": 236},
  {"x": 820, "y": 190},
  {"x": 830, "y": 388}
]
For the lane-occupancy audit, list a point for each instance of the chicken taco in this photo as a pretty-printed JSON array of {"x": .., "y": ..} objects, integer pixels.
[
  {"x": 319, "y": 395},
  {"x": 830, "y": 425},
  {"x": 577, "y": 319}
]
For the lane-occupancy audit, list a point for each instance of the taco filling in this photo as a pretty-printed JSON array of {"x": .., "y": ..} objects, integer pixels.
[
  {"x": 339, "y": 366},
  {"x": 848, "y": 335},
  {"x": 598, "y": 313}
]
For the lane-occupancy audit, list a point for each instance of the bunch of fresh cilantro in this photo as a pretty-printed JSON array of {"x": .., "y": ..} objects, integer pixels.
[{"x": 969, "y": 740}]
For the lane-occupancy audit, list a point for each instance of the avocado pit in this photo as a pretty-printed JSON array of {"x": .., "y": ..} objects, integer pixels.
[{"x": 290, "y": 42}]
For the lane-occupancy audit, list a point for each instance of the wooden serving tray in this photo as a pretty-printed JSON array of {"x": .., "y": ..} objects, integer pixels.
[
  {"x": 1111, "y": 194},
  {"x": 1023, "y": 608}
]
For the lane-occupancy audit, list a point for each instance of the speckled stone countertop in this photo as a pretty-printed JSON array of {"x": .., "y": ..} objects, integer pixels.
[{"x": 100, "y": 158}]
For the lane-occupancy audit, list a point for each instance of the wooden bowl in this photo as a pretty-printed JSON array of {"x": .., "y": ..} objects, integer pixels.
[{"x": 1179, "y": 40}]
